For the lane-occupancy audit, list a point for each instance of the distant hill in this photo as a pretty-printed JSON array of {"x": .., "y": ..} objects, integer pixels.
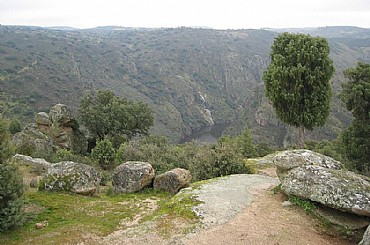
[{"x": 198, "y": 82}]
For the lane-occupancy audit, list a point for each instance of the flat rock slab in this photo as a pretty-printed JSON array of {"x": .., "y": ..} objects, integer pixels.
[{"x": 225, "y": 197}]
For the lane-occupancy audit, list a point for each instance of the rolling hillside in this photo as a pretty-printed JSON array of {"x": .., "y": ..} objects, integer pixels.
[{"x": 198, "y": 82}]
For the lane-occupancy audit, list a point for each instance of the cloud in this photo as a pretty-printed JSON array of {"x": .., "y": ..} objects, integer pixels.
[{"x": 172, "y": 13}]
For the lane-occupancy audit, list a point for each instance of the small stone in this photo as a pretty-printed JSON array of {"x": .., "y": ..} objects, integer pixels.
[{"x": 286, "y": 204}]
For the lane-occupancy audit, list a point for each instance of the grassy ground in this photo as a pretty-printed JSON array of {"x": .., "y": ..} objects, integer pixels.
[{"x": 70, "y": 216}]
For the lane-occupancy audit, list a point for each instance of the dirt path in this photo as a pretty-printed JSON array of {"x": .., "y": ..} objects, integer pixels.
[
  {"x": 266, "y": 222},
  {"x": 238, "y": 209}
]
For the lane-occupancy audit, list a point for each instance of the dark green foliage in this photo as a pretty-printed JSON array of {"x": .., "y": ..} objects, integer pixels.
[
  {"x": 11, "y": 184},
  {"x": 356, "y": 96},
  {"x": 11, "y": 197},
  {"x": 104, "y": 154},
  {"x": 297, "y": 80},
  {"x": 14, "y": 126},
  {"x": 105, "y": 114},
  {"x": 356, "y": 91}
]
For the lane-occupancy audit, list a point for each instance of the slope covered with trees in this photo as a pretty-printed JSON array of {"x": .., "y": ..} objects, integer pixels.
[{"x": 194, "y": 80}]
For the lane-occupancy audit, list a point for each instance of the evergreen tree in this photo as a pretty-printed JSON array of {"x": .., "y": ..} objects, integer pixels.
[
  {"x": 356, "y": 96},
  {"x": 297, "y": 81},
  {"x": 11, "y": 184}
]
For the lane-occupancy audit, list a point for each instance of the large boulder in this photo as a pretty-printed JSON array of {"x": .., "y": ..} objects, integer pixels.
[
  {"x": 321, "y": 179},
  {"x": 339, "y": 189},
  {"x": 71, "y": 177},
  {"x": 366, "y": 239},
  {"x": 290, "y": 159},
  {"x": 132, "y": 177},
  {"x": 173, "y": 180}
]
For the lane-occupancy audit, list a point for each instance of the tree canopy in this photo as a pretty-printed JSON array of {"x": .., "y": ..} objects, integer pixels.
[
  {"x": 297, "y": 80},
  {"x": 105, "y": 114},
  {"x": 356, "y": 96}
]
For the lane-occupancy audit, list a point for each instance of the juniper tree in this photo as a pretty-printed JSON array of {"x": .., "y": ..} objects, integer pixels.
[
  {"x": 356, "y": 96},
  {"x": 11, "y": 184},
  {"x": 297, "y": 81}
]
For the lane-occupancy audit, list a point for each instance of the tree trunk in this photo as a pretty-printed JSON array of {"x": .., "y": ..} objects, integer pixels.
[{"x": 301, "y": 137}]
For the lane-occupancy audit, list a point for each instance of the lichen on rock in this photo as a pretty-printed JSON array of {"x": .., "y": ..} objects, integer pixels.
[
  {"x": 173, "y": 180},
  {"x": 71, "y": 177}
]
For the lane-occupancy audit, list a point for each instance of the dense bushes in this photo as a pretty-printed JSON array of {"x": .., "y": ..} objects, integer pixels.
[{"x": 203, "y": 161}]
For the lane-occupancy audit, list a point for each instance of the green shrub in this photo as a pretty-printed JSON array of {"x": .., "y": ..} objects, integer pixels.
[
  {"x": 63, "y": 155},
  {"x": 15, "y": 126},
  {"x": 228, "y": 160},
  {"x": 104, "y": 154}
]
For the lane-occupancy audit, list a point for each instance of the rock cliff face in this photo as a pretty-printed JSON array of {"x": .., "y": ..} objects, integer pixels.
[{"x": 58, "y": 128}]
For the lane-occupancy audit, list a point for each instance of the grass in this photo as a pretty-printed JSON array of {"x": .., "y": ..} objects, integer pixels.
[
  {"x": 71, "y": 216},
  {"x": 306, "y": 205}
]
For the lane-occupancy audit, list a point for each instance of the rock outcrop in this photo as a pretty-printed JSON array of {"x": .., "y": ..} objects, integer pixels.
[
  {"x": 132, "y": 177},
  {"x": 31, "y": 141},
  {"x": 58, "y": 128},
  {"x": 71, "y": 177},
  {"x": 339, "y": 189},
  {"x": 319, "y": 178},
  {"x": 173, "y": 180},
  {"x": 287, "y": 160},
  {"x": 37, "y": 165}
]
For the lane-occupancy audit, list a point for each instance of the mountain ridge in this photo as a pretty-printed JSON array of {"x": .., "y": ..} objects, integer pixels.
[{"x": 193, "y": 79}]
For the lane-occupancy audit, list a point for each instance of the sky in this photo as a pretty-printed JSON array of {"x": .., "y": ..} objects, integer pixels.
[{"x": 218, "y": 14}]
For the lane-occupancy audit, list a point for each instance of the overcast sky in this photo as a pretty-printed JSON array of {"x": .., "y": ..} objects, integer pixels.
[{"x": 219, "y": 14}]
